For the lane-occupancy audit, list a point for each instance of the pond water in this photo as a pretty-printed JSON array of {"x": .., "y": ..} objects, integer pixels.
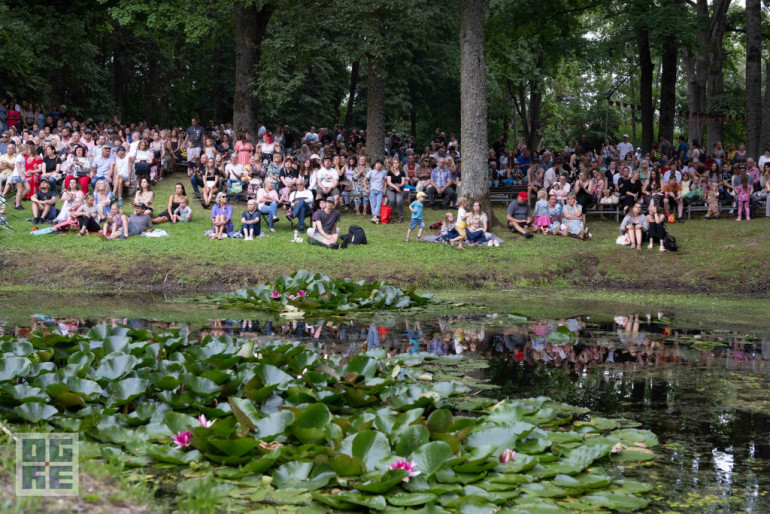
[{"x": 705, "y": 391}]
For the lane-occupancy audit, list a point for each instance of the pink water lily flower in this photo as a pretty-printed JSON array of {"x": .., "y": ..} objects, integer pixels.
[
  {"x": 275, "y": 294},
  {"x": 507, "y": 456},
  {"x": 204, "y": 422},
  {"x": 405, "y": 464},
  {"x": 292, "y": 297},
  {"x": 182, "y": 439},
  {"x": 301, "y": 293}
]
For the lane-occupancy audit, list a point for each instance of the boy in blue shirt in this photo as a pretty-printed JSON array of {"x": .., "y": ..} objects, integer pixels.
[{"x": 416, "y": 208}]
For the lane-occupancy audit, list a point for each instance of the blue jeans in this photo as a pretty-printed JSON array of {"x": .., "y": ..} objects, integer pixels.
[
  {"x": 271, "y": 209},
  {"x": 300, "y": 211},
  {"x": 196, "y": 182},
  {"x": 375, "y": 199},
  {"x": 476, "y": 237},
  {"x": 95, "y": 180}
]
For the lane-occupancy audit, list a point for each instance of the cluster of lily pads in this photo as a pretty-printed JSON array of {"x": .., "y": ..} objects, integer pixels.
[
  {"x": 283, "y": 424},
  {"x": 314, "y": 292}
]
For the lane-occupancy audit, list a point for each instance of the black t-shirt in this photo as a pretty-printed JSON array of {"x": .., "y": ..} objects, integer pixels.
[
  {"x": 327, "y": 138},
  {"x": 288, "y": 140},
  {"x": 51, "y": 162},
  {"x": 396, "y": 179},
  {"x": 289, "y": 172},
  {"x": 328, "y": 221},
  {"x": 45, "y": 196}
]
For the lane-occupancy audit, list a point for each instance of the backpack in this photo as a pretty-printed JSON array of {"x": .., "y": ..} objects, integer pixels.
[
  {"x": 355, "y": 235},
  {"x": 669, "y": 243}
]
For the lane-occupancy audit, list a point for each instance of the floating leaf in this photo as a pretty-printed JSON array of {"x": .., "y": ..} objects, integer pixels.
[{"x": 430, "y": 457}]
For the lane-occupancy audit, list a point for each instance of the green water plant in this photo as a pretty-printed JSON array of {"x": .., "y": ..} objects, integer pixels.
[
  {"x": 305, "y": 292},
  {"x": 279, "y": 423}
]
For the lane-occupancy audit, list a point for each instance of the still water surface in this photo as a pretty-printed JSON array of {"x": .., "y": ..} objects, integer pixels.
[{"x": 705, "y": 393}]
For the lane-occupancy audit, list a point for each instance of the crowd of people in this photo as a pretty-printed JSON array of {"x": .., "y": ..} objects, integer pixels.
[
  {"x": 76, "y": 175},
  {"x": 651, "y": 189}
]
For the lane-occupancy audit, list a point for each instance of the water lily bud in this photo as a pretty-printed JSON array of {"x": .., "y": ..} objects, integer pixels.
[{"x": 267, "y": 480}]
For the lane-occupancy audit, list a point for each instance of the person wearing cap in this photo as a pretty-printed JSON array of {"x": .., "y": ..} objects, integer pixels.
[
  {"x": 624, "y": 147},
  {"x": 221, "y": 217},
  {"x": 327, "y": 180},
  {"x": 417, "y": 221},
  {"x": 141, "y": 220},
  {"x": 324, "y": 229},
  {"x": 519, "y": 215}
]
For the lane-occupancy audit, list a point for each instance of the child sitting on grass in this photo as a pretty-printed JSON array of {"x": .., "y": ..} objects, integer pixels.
[
  {"x": 417, "y": 221},
  {"x": 250, "y": 221},
  {"x": 183, "y": 213},
  {"x": 115, "y": 224},
  {"x": 448, "y": 230}
]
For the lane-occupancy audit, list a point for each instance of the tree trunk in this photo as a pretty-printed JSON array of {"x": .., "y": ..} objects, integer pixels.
[
  {"x": 715, "y": 85},
  {"x": 668, "y": 87},
  {"x": 535, "y": 105},
  {"x": 645, "y": 87},
  {"x": 375, "y": 111},
  {"x": 765, "y": 142},
  {"x": 753, "y": 77},
  {"x": 473, "y": 106},
  {"x": 354, "y": 73},
  {"x": 250, "y": 26}
]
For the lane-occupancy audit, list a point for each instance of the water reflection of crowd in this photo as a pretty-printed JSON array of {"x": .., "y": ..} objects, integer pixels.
[{"x": 647, "y": 340}]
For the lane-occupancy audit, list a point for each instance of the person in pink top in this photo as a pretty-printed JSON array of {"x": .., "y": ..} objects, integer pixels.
[{"x": 243, "y": 148}]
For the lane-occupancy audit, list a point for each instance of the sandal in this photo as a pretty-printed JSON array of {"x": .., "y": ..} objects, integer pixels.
[{"x": 407, "y": 240}]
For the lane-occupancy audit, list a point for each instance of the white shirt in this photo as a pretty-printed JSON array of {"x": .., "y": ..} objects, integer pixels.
[
  {"x": 327, "y": 176},
  {"x": 550, "y": 177},
  {"x": 305, "y": 194},
  {"x": 624, "y": 148},
  {"x": 667, "y": 175},
  {"x": 121, "y": 166},
  {"x": 234, "y": 171},
  {"x": 761, "y": 162}
]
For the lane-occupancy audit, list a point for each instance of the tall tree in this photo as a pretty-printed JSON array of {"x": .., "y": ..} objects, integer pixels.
[
  {"x": 753, "y": 77},
  {"x": 705, "y": 52},
  {"x": 673, "y": 9},
  {"x": 646, "y": 70},
  {"x": 251, "y": 21},
  {"x": 473, "y": 104}
]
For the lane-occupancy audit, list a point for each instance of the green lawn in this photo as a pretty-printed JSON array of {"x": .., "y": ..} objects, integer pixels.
[{"x": 723, "y": 256}]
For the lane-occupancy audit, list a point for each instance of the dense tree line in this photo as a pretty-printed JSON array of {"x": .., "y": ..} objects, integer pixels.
[{"x": 692, "y": 66}]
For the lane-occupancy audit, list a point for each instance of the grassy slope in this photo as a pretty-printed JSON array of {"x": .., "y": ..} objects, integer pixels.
[{"x": 722, "y": 256}]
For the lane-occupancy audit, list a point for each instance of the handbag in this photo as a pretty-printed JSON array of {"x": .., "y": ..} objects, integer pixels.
[{"x": 235, "y": 188}]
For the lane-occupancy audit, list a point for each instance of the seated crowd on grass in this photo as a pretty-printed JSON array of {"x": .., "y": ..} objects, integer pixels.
[
  {"x": 566, "y": 183},
  {"x": 77, "y": 174}
]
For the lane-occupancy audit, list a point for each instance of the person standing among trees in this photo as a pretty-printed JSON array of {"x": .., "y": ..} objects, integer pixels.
[{"x": 624, "y": 148}]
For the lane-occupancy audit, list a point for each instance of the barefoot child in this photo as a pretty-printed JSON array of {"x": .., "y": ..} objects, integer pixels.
[
  {"x": 183, "y": 213},
  {"x": 461, "y": 223},
  {"x": 744, "y": 191},
  {"x": 250, "y": 221},
  {"x": 417, "y": 221}
]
